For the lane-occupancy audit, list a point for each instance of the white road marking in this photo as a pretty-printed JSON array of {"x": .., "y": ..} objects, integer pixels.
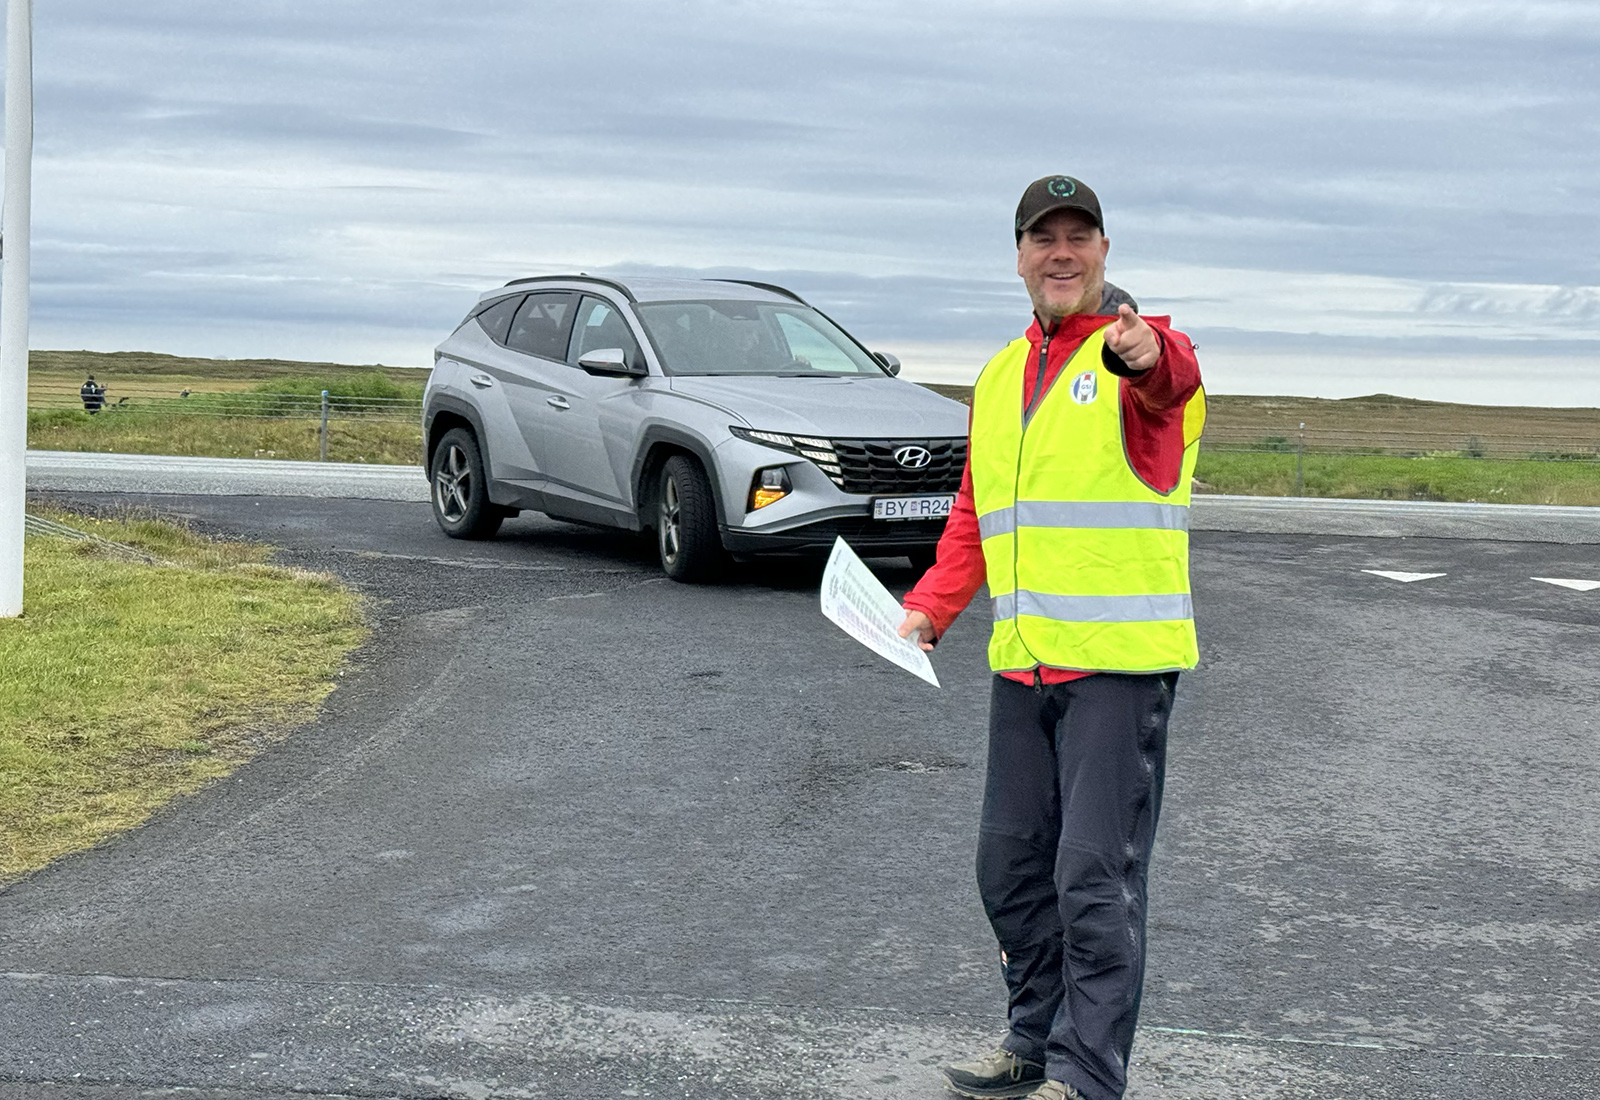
[
  {"x": 1403, "y": 578},
  {"x": 1576, "y": 586}
]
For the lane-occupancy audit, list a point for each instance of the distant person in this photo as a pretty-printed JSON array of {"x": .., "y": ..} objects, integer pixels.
[
  {"x": 93, "y": 395},
  {"x": 1074, "y": 509}
]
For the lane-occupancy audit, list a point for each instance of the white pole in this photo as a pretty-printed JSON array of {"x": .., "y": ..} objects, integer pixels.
[{"x": 14, "y": 214}]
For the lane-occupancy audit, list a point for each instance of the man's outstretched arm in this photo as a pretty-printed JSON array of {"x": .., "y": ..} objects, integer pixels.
[{"x": 954, "y": 578}]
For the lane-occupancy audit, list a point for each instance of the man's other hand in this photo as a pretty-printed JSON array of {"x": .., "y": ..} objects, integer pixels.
[
  {"x": 1133, "y": 341},
  {"x": 918, "y": 623}
]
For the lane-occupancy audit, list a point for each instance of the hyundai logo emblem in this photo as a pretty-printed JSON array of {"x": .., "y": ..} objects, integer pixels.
[{"x": 913, "y": 458}]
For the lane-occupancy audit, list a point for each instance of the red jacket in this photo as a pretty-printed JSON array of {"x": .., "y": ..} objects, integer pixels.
[{"x": 1153, "y": 403}]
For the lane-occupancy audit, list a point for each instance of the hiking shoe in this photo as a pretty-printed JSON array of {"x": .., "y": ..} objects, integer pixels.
[
  {"x": 1054, "y": 1090},
  {"x": 999, "y": 1073}
]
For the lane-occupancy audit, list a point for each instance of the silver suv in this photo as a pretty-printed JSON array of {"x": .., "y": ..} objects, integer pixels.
[{"x": 727, "y": 417}]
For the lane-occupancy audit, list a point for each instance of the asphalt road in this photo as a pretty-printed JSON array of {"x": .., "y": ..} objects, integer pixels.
[{"x": 570, "y": 830}]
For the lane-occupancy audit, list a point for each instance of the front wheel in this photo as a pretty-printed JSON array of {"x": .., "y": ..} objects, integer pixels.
[
  {"x": 686, "y": 523},
  {"x": 460, "y": 495}
]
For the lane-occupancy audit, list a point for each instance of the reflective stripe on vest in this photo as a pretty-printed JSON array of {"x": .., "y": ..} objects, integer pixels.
[
  {"x": 1084, "y": 513},
  {"x": 1088, "y": 566},
  {"x": 1093, "y": 609}
]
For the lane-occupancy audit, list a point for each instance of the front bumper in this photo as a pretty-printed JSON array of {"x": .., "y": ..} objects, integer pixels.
[
  {"x": 867, "y": 536},
  {"x": 815, "y": 513}
]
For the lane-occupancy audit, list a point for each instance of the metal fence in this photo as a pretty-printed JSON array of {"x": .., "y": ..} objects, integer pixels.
[
  {"x": 147, "y": 401},
  {"x": 238, "y": 403}
]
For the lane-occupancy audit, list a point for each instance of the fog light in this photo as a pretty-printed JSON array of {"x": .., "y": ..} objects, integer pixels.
[{"x": 769, "y": 486}]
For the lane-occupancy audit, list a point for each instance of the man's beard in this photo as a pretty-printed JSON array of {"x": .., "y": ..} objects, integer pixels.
[{"x": 1089, "y": 302}]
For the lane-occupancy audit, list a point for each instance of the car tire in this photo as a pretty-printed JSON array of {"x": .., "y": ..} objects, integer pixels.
[
  {"x": 686, "y": 523},
  {"x": 459, "y": 489}
]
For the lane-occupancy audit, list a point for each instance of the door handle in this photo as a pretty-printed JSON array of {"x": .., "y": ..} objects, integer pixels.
[
  {"x": 482, "y": 381},
  {"x": 557, "y": 402}
]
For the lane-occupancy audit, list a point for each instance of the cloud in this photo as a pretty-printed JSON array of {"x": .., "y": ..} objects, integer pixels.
[{"x": 234, "y": 178}]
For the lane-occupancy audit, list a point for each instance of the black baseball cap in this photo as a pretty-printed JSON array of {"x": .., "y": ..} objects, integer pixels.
[{"x": 1052, "y": 193}]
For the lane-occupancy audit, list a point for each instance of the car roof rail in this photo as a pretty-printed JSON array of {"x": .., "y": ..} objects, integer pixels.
[
  {"x": 612, "y": 283},
  {"x": 774, "y": 287}
]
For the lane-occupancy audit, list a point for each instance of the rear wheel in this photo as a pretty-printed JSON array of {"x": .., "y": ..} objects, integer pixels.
[
  {"x": 686, "y": 523},
  {"x": 460, "y": 491}
]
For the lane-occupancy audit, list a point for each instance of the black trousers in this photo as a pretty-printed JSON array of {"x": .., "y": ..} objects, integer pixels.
[{"x": 1069, "y": 815}]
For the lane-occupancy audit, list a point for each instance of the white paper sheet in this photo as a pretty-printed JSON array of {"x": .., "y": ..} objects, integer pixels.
[{"x": 854, "y": 599}]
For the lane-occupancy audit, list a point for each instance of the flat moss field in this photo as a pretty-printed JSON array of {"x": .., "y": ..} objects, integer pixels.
[
  {"x": 127, "y": 683},
  {"x": 156, "y": 420}
]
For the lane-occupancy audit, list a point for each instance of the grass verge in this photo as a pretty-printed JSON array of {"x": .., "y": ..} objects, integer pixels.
[
  {"x": 127, "y": 684},
  {"x": 131, "y": 431},
  {"x": 1391, "y": 477}
]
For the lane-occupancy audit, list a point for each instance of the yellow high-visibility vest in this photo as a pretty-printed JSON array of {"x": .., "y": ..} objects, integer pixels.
[{"x": 1088, "y": 565}]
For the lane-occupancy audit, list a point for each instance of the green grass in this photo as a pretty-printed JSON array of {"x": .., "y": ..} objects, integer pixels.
[
  {"x": 1390, "y": 477},
  {"x": 126, "y": 684},
  {"x": 363, "y": 385},
  {"x": 370, "y": 395},
  {"x": 153, "y": 432}
]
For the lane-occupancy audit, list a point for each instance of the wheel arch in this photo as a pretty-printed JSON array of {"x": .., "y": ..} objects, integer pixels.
[
  {"x": 445, "y": 413},
  {"x": 659, "y": 444}
]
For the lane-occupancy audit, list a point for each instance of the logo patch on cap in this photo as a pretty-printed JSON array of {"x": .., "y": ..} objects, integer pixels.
[
  {"x": 1085, "y": 387},
  {"x": 1061, "y": 187}
]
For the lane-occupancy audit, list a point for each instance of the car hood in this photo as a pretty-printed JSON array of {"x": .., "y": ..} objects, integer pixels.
[{"x": 833, "y": 408}]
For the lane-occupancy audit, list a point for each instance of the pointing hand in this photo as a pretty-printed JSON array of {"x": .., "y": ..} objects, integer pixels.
[{"x": 1133, "y": 341}]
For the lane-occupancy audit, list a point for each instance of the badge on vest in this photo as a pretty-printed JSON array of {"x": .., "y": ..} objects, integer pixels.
[{"x": 1085, "y": 387}]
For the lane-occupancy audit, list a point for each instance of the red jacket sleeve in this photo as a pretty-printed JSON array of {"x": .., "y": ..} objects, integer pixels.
[
  {"x": 1153, "y": 404},
  {"x": 949, "y": 585}
]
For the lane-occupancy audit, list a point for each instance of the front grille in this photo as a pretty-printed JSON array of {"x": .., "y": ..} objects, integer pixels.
[
  {"x": 869, "y": 466},
  {"x": 866, "y": 531}
]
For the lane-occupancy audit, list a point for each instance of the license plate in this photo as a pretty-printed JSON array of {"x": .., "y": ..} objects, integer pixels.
[{"x": 928, "y": 507}]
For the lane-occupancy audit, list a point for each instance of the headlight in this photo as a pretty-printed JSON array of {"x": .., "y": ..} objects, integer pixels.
[
  {"x": 771, "y": 439},
  {"x": 819, "y": 451},
  {"x": 769, "y": 486}
]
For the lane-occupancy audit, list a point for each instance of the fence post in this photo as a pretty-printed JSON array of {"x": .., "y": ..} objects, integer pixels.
[
  {"x": 1300, "y": 464},
  {"x": 324, "y": 431}
]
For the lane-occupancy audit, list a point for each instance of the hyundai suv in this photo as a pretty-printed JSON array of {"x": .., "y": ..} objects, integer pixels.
[{"x": 729, "y": 418}]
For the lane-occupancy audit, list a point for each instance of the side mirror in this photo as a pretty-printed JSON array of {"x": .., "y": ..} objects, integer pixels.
[
  {"x": 890, "y": 363},
  {"x": 610, "y": 363}
]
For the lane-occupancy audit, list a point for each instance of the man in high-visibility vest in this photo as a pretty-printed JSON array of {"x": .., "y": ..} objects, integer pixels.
[{"x": 1074, "y": 509}]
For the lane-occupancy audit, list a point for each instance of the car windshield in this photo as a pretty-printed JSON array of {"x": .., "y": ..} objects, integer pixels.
[{"x": 745, "y": 337}]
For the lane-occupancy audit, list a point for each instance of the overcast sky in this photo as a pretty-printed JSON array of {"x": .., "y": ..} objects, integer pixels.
[{"x": 1331, "y": 198}]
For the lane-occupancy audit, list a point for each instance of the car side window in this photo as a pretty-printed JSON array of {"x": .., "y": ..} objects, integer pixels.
[
  {"x": 496, "y": 319},
  {"x": 600, "y": 325},
  {"x": 541, "y": 325}
]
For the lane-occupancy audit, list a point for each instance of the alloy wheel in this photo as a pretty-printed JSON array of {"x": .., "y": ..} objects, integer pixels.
[
  {"x": 671, "y": 520},
  {"x": 452, "y": 484}
]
